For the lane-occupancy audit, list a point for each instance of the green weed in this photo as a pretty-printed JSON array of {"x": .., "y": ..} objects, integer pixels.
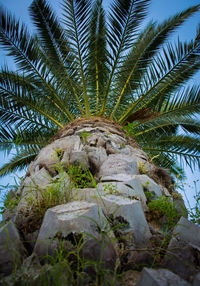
[
  {"x": 110, "y": 189},
  {"x": 162, "y": 207},
  {"x": 80, "y": 177},
  {"x": 142, "y": 168},
  {"x": 84, "y": 135}
]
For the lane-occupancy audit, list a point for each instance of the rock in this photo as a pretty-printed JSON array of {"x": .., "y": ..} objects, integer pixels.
[
  {"x": 11, "y": 249},
  {"x": 31, "y": 266},
  {"x": 119, "y": 188},
  {"x": 116, "y": 138},
  {"x": 49, "y": 155},
  {"x": 68, "y": 221},
  {"x": 36, "y": 184},
  {"x": 116, "y": 178},
  {"x": 160, "y": 277},
  {"x": 96, "y": 158},
  {"x": 118, "y": 163},
  {"x": 128, "y": 214},
  {"x": 180, "y": 205},
  {"x": 196, "y": 281},
  {"x": 79, "y": 158},
  {"x": 38, "y": 180},
  {"x": 150, "y": 185},
  {"x": 86, "y": 130},
  {"x": 131, "y": 182},
  {"x": 92, "y": 139},
  {"x": 112, "y": 148},
  {"x": 139, "y": 153},
  {"x": 58, "y": 274},
  {"x": 101, "y": 142},
  {"x": 67, "y": 132},
  {"x": 87, "y": 194},
  {"x": 100, "y": 251},
  {"x": 166, "y": 193},
  {"x": 137, "y": 259},
  {"x": 31, "y": 238},
  {"x": 183, "y": 255}
]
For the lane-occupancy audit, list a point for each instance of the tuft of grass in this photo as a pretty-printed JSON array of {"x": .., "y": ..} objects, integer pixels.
[
  {"x": 162, "y": 207},
  {"x": 80, "y": 177}
]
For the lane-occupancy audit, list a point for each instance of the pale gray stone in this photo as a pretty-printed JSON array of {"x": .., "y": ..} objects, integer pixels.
[
  {"x": 116, "y": 178},
  {"x": 77, "y": 217},
  {"x": 160, "y": 277},
  {"x": 126, "y": 149},
  {"x": 131, "y": 189},
  {"x": 116, "y": 138},
  {"x": 118, "y": 164},
  {"x": 35, "y": 185},
  {"x": 87, "y": 194},
  {"x": 150, "y": 185},
  {"x": 79, "y": 158},
  {"x": 86, "y": 130},
  {"x": 67, "y": 132},
  {"x": 11, "y": 248},
  {"x": 115, "y": 188},
  {"x": 48, "y": 156},
  {"x": 112, "y": 148},
  {"x": 166, "y": 193},
  {"x": 123, "y": 184},
  {"x": 187, "y": 232},
  {"x": 38, "y": 180},
  {"x": 184, "y": 249},
  {"x": 92, "y": 139},
  {"x": 130, "y": 213},
  {"x": 101, "y": 141},
  {"x": 139, "y": 153},
  {"x": 96, "y": 156}
]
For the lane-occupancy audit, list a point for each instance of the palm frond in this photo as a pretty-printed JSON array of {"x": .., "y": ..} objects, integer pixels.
[
  {"x": 183, "y": 147},
  {"x": 170, "y": 70},
  {"x": 98, "y": 58},
  {"x": 26, "y": 53},
  {"x": 142, "y": 52},
  {"x": 20, "y": 100},
  {"x": 124, "y": 20},
  {"x": 76, "y": 19},
  {"x": 19, "y": 161},
  {"x": 56, "y": 48}
]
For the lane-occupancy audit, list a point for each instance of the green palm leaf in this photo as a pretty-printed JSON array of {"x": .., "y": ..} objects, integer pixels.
[{"x": 93, "y": 63}]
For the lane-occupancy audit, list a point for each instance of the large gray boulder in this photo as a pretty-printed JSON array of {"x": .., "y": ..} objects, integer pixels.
[
  {"x": 150, "y": 185},
  {"x": 183, "y": 253},
  {"x": 96, "y": 157},
  {"x": 49, "y": 155},
  {"x": 118, "y": 163},
  {"x": 67, "y": 222},
  {"x": 11, "y": 249},
  {"x": 122, "y": 181},
  {"x": 129, "y": 216},
  {"x": 160, "y": 277}
]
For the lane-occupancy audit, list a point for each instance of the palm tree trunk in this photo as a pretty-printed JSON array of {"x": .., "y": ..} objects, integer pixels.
[{"x": 103, "y": 155}]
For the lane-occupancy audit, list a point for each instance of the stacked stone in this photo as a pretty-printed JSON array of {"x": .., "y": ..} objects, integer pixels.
[{"x": 117, "y": 199}]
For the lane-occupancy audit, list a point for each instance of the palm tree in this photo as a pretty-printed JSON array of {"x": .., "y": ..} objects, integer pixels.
[{"x": 96, "y": 64}]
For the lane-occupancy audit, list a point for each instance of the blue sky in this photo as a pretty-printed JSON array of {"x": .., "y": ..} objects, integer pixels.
[{"x": 158, "y": 11}]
